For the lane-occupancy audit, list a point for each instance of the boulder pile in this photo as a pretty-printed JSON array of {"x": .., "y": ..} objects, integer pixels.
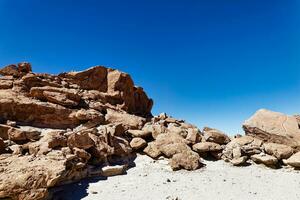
[{"x": 58, "y": 129}]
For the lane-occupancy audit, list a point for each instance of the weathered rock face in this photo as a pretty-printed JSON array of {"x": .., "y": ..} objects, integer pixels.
[
  {"x": 59, "y": 129},
  {"x": 51, "y": 101},
  {"x": 78, "y": 121},
  {"x": 274, "y": 127}
]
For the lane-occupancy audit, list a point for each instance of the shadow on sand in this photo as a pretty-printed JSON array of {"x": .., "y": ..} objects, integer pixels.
[{"x": 79, "y": 190}]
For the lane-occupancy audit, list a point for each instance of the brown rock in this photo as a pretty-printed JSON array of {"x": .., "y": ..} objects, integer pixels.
[
  {"x": 243, "y": 145},
  {"x": 16, "y": 107},
  {"x": 16, "y": 134},
  {"x": 6, "y": 84},
  {"x": 274, "y": 127},
  {"x": 216, "y": 136},
  {"x": 90, "y": 115},
  {"x": 154, "y": 129},
  {"x": 81, "y": 153},
  {"x": 128, "y": 121},
  {"x": 113, "y": 170},
  {"x": 265, "y": 159},
  {"x": 60, "y": 96},
  {"x": 24, "y": 67},
  {"x": 239, "y": 160},
  {"x": 34, "y": 175},
  {"x": 94, "y": 78},
  {"x": 280, "y": 151},
  {"x": 188, "y": 160},
  {"x": 16, "y": 149},
  {"x": 152, "y": 150},
  {"x": 81, "y": 140},
  {"x": 10, "y": 70},
  {"x": 138, "y": 143},
  {"x": 171, "y": 143},
  {"x": 294, "y": 160},
  {"x": 4, "y": 131},
  {"x": 193, "y": 135},
  {"x": 206, "y": 147},
  {"x": 139, "y": 133}
]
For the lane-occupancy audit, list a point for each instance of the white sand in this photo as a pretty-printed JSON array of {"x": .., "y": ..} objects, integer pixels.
[{"x": 218, "y": 180}]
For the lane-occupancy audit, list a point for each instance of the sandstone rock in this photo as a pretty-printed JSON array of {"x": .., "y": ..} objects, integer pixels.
[
  {"x": 16, "y": 107},
  {"x": 94, "y": 78},
  {"x": 274, "y": 127},
  {"x": 294, "y": 160},
  {"x": 16, "y": 149},
  {"x": 176, "y": 129},
  {"x": 113, "y": 170},
  {"x": 265, "y": 159},
  {"x": 49, "y": 141},
  {"x": 10, "y": 70},
  {"x": 244, "y": 145},
  {"x": 152, "y": 150},
  {"x": 216, "y": 136},
  {"x": 6, "y": 84},
  {"x": 16, "y": 134},
  {"x": 24, "y": 67},
  {"x": 171, "y": 143},
  {"x": 193, "y": 135},
  {"x": 188, "y": 160},
  {"x": 80, "y": 153},
  {"x": 128, "y": 121},
  {"x": 280, "y": 151},
  {"x": 139, "y": 133},
  {"x": 206, "y": 147},
  {"x": 138, "y": 143},
  {"x": 81, "y": 140},
  {"x": 237, "y": 161},
  {"x": 90, "y": 115},
  {"x": 4, "y": 131},
  {"x": 28, "y": 177},
  {"x": 61, "y": 96},
  {"x": 154, "y": 129}
]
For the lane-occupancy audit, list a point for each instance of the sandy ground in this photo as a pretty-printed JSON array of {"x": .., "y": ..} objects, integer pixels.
[{"x": 154, "y": 180}]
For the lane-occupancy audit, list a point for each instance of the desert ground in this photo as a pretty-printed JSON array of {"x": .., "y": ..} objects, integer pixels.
[{"x": 154, "y": 180}]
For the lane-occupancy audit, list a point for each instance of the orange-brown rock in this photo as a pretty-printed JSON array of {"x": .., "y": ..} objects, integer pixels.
[{"x": 274, "y": 127}]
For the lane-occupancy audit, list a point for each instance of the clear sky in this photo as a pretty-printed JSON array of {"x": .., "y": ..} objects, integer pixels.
[{"x": 211, "y": 62}]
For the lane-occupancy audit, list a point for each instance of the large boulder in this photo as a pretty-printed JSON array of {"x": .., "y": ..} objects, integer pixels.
[
  {"x": 203, "y": 147},
  {"x": 29, "y": 177},
  {"x": 239, "y": 149},
  {"x": 274, "y": 127},
  {"x": 188, "y": 160},
  {"x": 294, "y": 160},
  {"x": 215, "y": 135},
  {"x": 17, "y": 107},
  {"x": 265, "y": 159},
  {"x": 280, "y": 151}
]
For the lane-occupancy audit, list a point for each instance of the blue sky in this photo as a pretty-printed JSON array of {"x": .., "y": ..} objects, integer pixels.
[{"x": 210, "y": 62}]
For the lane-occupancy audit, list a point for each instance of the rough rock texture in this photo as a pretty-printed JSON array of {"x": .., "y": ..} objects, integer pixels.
[
  {"x": 265, "y": 159},
  {"x": 280, "y": 151},
  {"x": 78, "y": 124},
  {"x": 55, "y": 130},
  {"x": 294, "y": 160},
  {"x": 274, "y": 127},
  {"x": 215, "y": 135}
]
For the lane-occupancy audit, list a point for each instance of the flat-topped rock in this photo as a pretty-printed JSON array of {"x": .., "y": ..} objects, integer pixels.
[{"x": 274, "y": 127}]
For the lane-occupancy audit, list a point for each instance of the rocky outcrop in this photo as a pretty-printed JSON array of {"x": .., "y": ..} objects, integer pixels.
[
  {"x": 55, "y": 130},
  {"x": 79, "y": 124},
  {"x": 274, "y": 127}
]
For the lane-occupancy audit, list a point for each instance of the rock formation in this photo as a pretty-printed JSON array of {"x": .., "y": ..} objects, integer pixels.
[{"x": 58, "y": 129}]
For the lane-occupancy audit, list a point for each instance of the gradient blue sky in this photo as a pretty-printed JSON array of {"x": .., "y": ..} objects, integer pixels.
[{"x": 211, "y": 62}]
